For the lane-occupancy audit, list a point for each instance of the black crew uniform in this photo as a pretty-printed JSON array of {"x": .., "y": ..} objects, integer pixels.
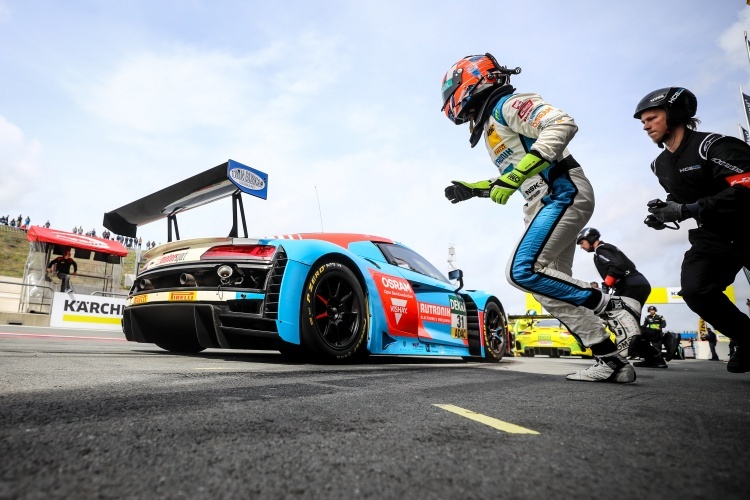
[
  {"x": 712, "y": 171},
  {"x": 655, "y": 322},
  {"x": 611, "y": 261},
  {"x": 62, "y": 268}
]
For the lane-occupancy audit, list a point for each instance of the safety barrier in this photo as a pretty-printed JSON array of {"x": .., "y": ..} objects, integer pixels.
[{"x": 44, "y": 292}]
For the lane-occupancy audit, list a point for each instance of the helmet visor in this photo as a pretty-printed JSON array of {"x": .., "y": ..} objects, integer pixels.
[{"x": 450, "y": 85}]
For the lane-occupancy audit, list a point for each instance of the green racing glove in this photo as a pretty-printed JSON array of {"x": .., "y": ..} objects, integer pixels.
[{"x": 511, "y": 180}]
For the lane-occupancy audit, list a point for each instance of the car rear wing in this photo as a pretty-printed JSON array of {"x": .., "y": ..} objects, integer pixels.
[{"x": 228, "y": 179}]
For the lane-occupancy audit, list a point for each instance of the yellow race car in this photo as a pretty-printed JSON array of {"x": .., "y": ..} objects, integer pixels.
[{"x": 545, "y": 335}]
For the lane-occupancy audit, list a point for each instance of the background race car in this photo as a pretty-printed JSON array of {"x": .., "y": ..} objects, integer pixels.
[
  {"x": 329, "y": 296},
  {"x": 545, "y": 335}
]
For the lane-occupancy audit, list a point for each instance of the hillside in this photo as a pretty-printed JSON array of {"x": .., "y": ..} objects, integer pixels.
[{"x": 14, "y": 249}]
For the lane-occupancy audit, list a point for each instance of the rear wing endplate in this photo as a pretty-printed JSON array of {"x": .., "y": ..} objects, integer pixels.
[{"x": 228, "y": 179}]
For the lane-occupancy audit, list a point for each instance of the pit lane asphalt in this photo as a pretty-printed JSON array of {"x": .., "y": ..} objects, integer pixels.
[{"x": 87, "y": 415}]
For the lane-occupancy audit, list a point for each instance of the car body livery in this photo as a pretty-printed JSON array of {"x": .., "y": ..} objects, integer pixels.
[
  {"x": 330, "y": 296},
  {"x": 546, "y": 336}
]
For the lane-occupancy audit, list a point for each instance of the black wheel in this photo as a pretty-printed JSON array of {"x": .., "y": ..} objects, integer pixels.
[
  {"x": 495, "y": 333},
  {"x": 334, "y": 313},
  {"x": 185, "y": 345}
]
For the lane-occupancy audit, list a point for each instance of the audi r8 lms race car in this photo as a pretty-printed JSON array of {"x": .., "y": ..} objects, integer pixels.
[
  {"x": 545, "y": 336},
  {"x": 324, "y": 296}
]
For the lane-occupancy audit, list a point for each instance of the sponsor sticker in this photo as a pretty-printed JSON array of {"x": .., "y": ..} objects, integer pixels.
[
  {"x": 399, "y": 303},
  {"x": 140, "y": 299},
  {"x": 459, "y": 327},
  {"x": 182, "y": 296}
]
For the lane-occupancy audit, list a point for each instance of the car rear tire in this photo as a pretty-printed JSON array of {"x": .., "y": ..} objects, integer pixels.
[
  {"x": 334, "y": 315},
  {"x": 495, "y": 333}
]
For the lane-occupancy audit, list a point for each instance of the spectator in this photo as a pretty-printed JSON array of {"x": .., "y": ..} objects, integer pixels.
[
  {"x": 27, "y": 222},
  {"x": 46, "y": 224}
]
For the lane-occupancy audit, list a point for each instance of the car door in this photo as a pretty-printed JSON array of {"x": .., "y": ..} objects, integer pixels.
[{"x": 441, "y": 313}]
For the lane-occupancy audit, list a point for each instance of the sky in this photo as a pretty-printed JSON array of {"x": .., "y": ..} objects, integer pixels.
[{"x": 102, "y": 103}]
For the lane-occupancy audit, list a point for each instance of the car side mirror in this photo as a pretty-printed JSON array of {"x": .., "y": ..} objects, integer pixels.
[{"x": 457, "y": 274}]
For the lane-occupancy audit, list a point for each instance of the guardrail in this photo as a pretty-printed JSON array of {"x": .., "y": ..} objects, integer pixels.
[
  {"x": 110, "y": 294},
  {"x": 45, "y": 287}
]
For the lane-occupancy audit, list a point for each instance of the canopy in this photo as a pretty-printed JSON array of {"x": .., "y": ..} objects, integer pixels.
[{"x": 37, "y": 233}]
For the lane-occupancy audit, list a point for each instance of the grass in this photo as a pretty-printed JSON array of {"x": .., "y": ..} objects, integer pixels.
[{"x": 14, "y": 249}]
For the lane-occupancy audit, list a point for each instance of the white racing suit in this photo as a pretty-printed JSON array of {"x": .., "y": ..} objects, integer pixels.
[{"x": 559, "y": 203}]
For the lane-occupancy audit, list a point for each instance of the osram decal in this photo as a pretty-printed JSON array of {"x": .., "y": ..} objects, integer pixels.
[{"x": 399, "y": 303}]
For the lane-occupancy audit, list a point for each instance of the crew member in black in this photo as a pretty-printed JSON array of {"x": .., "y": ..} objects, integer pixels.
[
  {"x": 655, "y": 324},
  {"x": 707, "y": 177},
  {"x": 622, "y": 278},
  {"x": 62, "y": 267}
]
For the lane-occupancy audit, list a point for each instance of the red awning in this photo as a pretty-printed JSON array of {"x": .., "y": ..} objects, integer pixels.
[{"x": 37, "y": 233}]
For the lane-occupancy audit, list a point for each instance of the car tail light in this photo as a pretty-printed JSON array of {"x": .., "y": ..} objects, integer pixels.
[
  {"x": 565, "y": 334},
  {"x": 239, "y": 251},
  {"x": 525, "y": 332}
]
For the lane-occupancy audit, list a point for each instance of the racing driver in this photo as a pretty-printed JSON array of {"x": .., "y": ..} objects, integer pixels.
[
  {"x": 527, "y": 140},
  {"x": 707, "y": 178}
]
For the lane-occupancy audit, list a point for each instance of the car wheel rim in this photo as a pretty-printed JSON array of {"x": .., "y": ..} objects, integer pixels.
[
  {"x": 337, "y": 312},
  {"x": 494, "y": 330}
]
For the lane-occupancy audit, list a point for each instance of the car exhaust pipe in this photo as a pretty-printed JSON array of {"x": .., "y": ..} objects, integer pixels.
[
  {"x": 187, "y": 279},
  {"x": 145, "y": 284}
]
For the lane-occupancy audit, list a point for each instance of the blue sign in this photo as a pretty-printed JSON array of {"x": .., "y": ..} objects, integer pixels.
[{"x": 247, "y": 179}]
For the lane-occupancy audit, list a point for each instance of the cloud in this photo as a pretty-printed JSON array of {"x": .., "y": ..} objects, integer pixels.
[
  {"x": 184, "y": 87},
  {"x": 732, "y": 42},
  {"x": 19, "y": 164}
]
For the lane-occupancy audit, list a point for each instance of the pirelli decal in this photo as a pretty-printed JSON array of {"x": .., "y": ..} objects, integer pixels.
[
  {"x": 182, "y": 296},
  {"x": 140, "y": 299}
]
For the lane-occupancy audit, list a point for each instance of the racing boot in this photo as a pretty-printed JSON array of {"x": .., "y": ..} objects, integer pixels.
[
  {"x": 623, "y": 320},
  {"x": 652, "y": 362},
  {"x": 611, "y": 368},
  {"x": 670, "y": 341},
  {"x": 739, "y": 362}
]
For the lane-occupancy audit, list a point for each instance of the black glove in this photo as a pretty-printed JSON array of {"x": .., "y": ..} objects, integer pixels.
[
  {"x": 670, "y": 211},
  {"x": 462, "y": 191}
]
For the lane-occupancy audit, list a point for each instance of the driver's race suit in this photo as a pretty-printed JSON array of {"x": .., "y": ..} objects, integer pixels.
[{"x": 559, "y": 203}]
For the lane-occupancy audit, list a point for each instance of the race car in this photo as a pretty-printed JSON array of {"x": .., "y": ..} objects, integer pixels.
[
  {"x": 545, "y": 336},
  {"x": 322, "y": 296}
]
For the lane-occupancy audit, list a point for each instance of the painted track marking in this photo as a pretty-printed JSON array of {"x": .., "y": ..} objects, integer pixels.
[{"x": 484, "y": 419}]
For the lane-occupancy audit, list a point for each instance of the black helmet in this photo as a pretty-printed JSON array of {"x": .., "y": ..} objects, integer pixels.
[
  {"x": 650, "y": 308},
  {"x": 679, "y": 103},
  {"x": 589, "y": 234}
]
